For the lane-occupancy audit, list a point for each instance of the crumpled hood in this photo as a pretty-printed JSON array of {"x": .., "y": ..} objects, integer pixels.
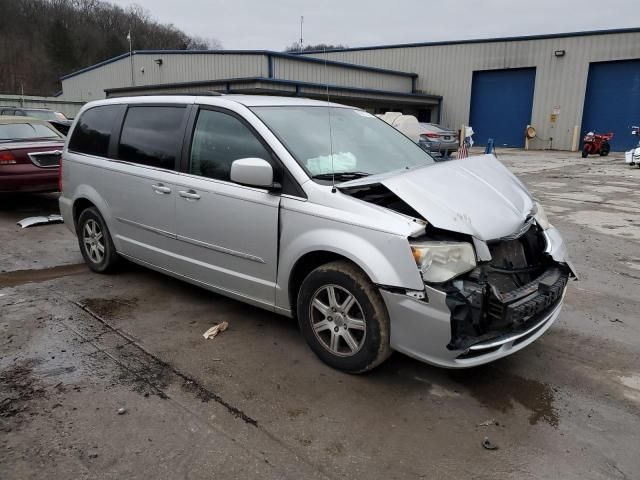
[{"x": 477, "y": 195}]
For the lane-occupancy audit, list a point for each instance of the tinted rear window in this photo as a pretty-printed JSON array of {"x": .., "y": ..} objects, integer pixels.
[
  {"x": 25, "y": 131},
  {"x": 152, "y": 136},
  {"x": 93, "y": 131}
]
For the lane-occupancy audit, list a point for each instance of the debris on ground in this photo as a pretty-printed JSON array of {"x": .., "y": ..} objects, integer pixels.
[
  {"x": 488, "y": 444},
  {"x": 215, "y": 330},
  {"x": 40, "y": 220},
  {"x": 488, "y": 423},
  {"x": 122, "y": 411}
]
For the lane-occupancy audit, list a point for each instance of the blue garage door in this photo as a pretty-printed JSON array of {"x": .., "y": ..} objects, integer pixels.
[
  {"x": 612, "y": 101},
  {"x": 501, "y": 102}
]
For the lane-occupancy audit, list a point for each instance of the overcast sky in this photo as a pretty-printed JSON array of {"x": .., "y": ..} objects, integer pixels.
[{"x": 275, "y": 24}]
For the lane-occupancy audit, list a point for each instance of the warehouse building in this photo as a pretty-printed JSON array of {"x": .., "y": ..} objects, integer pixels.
[
  {"x": 249, "y": 72},
  {"x": 562, "y": 84}
]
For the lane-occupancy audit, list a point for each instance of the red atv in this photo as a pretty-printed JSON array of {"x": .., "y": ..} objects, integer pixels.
[{"x": 596, "y": 143}]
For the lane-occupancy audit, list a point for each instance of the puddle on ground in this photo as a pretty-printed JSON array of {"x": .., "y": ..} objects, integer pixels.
[
  {"x": 110, "y": 307},
  {"x": 20, "y": 277},
  {"x": 499, "y": 390}
]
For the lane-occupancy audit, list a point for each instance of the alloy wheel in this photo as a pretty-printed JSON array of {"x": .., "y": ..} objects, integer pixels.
[
  {"x": 337, "y": 320},
  {"x": 93, "y": 240}
]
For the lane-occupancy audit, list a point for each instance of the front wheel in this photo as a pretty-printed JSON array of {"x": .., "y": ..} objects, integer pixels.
[
  {"x": 585, "y": 152},
  {"x": 343, "y": 318}
]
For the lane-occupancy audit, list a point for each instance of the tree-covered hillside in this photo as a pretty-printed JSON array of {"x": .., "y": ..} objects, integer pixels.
[{"x": 41, "y": 40}]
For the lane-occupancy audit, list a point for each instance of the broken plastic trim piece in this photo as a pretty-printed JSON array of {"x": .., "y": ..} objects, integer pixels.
[{"x": 42, "y": 220}]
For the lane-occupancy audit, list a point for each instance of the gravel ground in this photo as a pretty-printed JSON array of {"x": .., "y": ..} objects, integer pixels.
[{"x": 110, "y": 377}]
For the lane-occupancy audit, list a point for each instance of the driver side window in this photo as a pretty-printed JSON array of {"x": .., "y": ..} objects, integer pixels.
[{"x": 218, "y": 140}]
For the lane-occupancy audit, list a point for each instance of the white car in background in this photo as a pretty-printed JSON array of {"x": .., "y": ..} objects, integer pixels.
[{"x": 632, "y": 157}]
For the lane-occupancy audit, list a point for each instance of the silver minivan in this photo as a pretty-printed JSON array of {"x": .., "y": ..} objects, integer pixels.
[{"x": 320, "y": 212}]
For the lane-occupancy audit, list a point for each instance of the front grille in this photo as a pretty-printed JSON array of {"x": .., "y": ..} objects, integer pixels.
[{"x": 46, "y": 159}]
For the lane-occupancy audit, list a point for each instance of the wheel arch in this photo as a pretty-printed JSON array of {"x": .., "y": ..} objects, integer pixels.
[
  {"x": 384, "y": 263},
  {"x": 305, "y": 265},
  {"x": 86, "y": 197}
]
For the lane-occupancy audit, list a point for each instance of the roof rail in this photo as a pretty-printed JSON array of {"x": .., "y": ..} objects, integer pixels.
[{"x": 211, "y": 93}]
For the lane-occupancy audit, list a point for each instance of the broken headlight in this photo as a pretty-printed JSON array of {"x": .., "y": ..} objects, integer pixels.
[
  {"x": 541, "y": 217},
  {"x": 441, "y": 261}
]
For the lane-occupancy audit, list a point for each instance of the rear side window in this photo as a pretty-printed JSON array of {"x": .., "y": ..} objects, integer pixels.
[
  {"x": 93, "y": 131},
  {"x": 152, "y": 136},
  {"x": 218, "y": 140}
]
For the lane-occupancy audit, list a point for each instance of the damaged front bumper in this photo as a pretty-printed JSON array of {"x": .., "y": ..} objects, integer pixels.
[{"x": 426, "y": 329}]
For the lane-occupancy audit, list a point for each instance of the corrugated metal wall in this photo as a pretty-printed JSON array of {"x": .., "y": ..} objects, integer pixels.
[
  {"x": 193, "y": 67},
  {"x": 90, "y": 85},
  {"x": 291, "y": 69},
  {"x": 447, "y": 70}
]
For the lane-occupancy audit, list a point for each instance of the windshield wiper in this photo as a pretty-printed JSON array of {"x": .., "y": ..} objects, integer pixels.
[{"x": 341, "y": 175}]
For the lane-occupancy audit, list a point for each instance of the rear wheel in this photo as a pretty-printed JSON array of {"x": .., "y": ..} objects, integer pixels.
[
  {"x": 343, "y": 318},
  {"x": 605, "y": 149},
  {"x": 95, "y": 241}
]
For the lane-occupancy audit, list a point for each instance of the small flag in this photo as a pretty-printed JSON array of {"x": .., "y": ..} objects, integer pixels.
[{"x": 129, "y": 36}]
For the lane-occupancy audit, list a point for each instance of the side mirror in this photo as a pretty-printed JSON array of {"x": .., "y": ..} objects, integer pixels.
[{"x": 254, "y": 172}]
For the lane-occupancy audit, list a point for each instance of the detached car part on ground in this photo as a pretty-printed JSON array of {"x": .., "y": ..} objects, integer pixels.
[{"x": 367, "y": 241}]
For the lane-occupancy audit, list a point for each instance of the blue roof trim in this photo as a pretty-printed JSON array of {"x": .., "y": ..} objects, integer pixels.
[
  {"x": 478, "y": 40},
  {"x": 141, "y": 88},
  {"x": 92, "y": 67},
  {"x": 267, "y": 53}
]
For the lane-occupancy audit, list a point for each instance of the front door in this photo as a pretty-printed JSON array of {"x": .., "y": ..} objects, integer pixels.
[{"x": 227, "y": 233}]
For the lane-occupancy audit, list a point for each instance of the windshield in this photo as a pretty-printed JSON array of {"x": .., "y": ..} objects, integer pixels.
[
  {"x": 362, "y": 143},
  {"x": 25, "y": 131}
]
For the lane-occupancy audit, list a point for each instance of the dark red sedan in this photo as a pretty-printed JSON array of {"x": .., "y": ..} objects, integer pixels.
[{"x": 30, "y": 151}]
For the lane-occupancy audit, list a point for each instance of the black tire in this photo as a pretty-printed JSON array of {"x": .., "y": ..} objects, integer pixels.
[
  {"x": 99, "y": 261},
  {"x": 365, "y": 322},
  {"x": 605, "y": 149},
  {"x": 585, "y": 153}
]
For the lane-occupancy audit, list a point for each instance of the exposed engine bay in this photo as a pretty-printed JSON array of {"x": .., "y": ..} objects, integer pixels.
[{"x": 506, "y": 295}]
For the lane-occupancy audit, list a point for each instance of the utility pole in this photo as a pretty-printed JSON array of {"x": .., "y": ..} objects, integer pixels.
[
  {"x": 133, "y": 83},
  {"x": 301, "y": 22}
]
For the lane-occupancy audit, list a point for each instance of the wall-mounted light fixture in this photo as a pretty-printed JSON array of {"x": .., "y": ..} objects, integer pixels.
[
  {"x": 559, "y": 53},
  {"x": 159, "y": 61}
]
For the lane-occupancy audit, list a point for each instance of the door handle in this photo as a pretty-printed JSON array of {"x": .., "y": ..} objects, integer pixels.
[
  {"x": 160, "y": 188},
  {"x": 189, "y": 194}
]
